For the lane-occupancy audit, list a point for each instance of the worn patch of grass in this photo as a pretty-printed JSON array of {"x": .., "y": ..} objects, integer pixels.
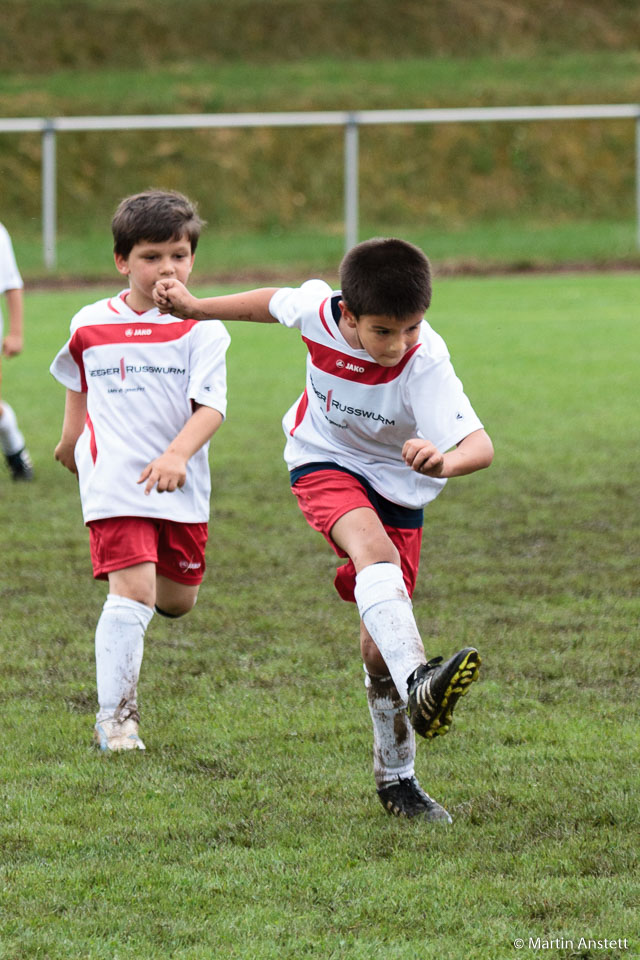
[{"x": 250, "y": 828}]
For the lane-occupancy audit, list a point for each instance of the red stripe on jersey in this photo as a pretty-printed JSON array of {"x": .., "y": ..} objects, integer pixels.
[
  {"x": 97, "y": 335},
  {"x": 342, "y": 365},
  {"x": 324, "y": 322},
  {"x": 300, "y": 412},
  {"x": 77, "y": 356},
  {"x": 100, "y": 334},
  {"x": 122, "y": 298},
  {"x": 92, "y": 442}
]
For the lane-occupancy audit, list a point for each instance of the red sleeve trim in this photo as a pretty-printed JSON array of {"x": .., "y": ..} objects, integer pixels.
[{"x": 300, "y": 412}]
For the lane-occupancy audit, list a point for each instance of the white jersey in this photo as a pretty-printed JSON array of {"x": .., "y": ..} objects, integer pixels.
[
  {"x": 357, "y": 413},
  {"x": 10, "y": 278},
  {"x": 141, "y": 373}
]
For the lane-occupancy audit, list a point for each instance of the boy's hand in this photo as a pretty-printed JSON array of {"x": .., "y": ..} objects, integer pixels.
[
  {"x": 12, "y": 345},
  {"x": 167, "y": 473},
  {"x": 63, "y": 453},
  {"x": 423, "y": 457},
  {"x": 171, "y": 296}
]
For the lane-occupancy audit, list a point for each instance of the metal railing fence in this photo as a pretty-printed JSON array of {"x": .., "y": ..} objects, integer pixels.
[{"x": 351, "y": 121}]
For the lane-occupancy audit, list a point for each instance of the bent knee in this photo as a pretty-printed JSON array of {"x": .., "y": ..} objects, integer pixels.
[
  {"x": 174, "y": 600},
  {"x": 173, "y": 611}
]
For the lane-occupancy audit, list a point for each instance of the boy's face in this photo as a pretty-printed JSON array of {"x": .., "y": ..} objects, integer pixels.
[
  {"x": 150, "y": 261},
  {"x": 386, "y": 339}
]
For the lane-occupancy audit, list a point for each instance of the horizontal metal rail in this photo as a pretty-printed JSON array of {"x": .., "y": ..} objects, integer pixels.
[{"x": 49, "y": 127}]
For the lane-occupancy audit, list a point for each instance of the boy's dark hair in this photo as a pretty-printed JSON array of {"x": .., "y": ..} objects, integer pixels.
[
  {"x": 385, "y": 277},
  {"x": 154, "y": 216}
]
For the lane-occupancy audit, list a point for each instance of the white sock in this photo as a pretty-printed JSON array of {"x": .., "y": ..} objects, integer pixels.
[
  {"x": 11, "y": 439},
  {"x": 119, "y": 648},
  {"x": 394, "y": 742},
  {"x": 385, "y": 608}
]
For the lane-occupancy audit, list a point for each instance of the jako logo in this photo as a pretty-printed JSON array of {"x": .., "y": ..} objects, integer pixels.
[
  {"x": 145, "y": 332},
  {"x": 349, "y": 366}
]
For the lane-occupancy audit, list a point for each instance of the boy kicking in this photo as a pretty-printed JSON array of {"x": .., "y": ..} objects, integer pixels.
[
  {"x": 383, "y": 422},
  {"x": 145, "y": 393}
]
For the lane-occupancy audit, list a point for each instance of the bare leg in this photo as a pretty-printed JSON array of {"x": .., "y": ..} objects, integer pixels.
[
  {"x": 174, "y": 599},
  {"x": 361, "y": 535}
]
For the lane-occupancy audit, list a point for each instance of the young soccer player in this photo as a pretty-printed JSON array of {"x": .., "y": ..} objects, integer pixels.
[
  {"x": 11, "y": 438},
  {"x": 382, "y": 424},
  {"x": 145, "y": 393}
]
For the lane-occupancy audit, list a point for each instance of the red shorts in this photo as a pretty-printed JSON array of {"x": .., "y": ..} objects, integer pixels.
[
  {"x": 177, "y": 549},
  {"x": 326, "y": 495}
]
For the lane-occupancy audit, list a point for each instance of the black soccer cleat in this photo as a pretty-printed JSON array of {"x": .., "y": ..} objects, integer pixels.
[
  {"x": 435, "y": 688},
  {"x": 20, "y": 465},
  {"x": 406, "y": 798}
]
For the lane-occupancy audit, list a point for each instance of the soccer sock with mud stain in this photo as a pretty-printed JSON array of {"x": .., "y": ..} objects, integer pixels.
[
  {"x": 385, "y": 608},
  {"x": 119, "y": 648},
  {"x": 394, "y": 742}
]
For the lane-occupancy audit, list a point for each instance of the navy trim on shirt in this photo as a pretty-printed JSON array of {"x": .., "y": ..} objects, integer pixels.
[
  {"x": 335, "y": 309},
  {"x": 405, "y": 518}
]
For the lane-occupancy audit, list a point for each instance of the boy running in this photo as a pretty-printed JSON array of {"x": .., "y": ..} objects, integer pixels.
[
  {"x": 145, "y": 393},
  {"x": 383, "y": 422},
  {"x": 11, "y": 438}
]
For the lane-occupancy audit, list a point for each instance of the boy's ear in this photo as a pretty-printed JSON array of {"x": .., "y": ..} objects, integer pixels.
[
  {"x": 347, "y": 315},
  {"x": 122, "y": 264}
]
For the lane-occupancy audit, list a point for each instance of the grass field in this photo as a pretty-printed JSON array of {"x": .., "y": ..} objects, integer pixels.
[
  {"x": 250, "y": 829},
  {"x": 297, "y": 253}
]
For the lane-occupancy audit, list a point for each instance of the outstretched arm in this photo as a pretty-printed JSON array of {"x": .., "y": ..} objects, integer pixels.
[
  {"x": 171, "y": 296},
  {"x": 13, "y": 341},
  {"x": 473, "y": 453},
  {"x": 75, "y": 415},
  {"x": 168, "y": 472}
]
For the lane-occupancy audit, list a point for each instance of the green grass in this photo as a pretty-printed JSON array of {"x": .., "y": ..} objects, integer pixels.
[
  {"x": 294, "y": 254},
  {"x": 323, "y": 83},
  {"x": 250, "y": 828}
]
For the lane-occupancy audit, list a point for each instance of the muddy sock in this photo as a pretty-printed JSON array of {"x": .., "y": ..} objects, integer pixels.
[
  {"x": 119, "y": 648},
  {"x": 394, "y": 743},
  {"x": 385, "y": 608}
]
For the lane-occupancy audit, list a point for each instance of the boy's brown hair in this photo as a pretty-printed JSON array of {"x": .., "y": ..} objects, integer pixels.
[
  {"x": 385, "y": 277},
  {"x": 154, "y": 216}
]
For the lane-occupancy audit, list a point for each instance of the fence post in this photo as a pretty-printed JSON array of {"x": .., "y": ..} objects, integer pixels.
[
  {"x": 49, "y": 194},
  {"x": 351, "y": 181},
  {"x": 638, "y": 180}
]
